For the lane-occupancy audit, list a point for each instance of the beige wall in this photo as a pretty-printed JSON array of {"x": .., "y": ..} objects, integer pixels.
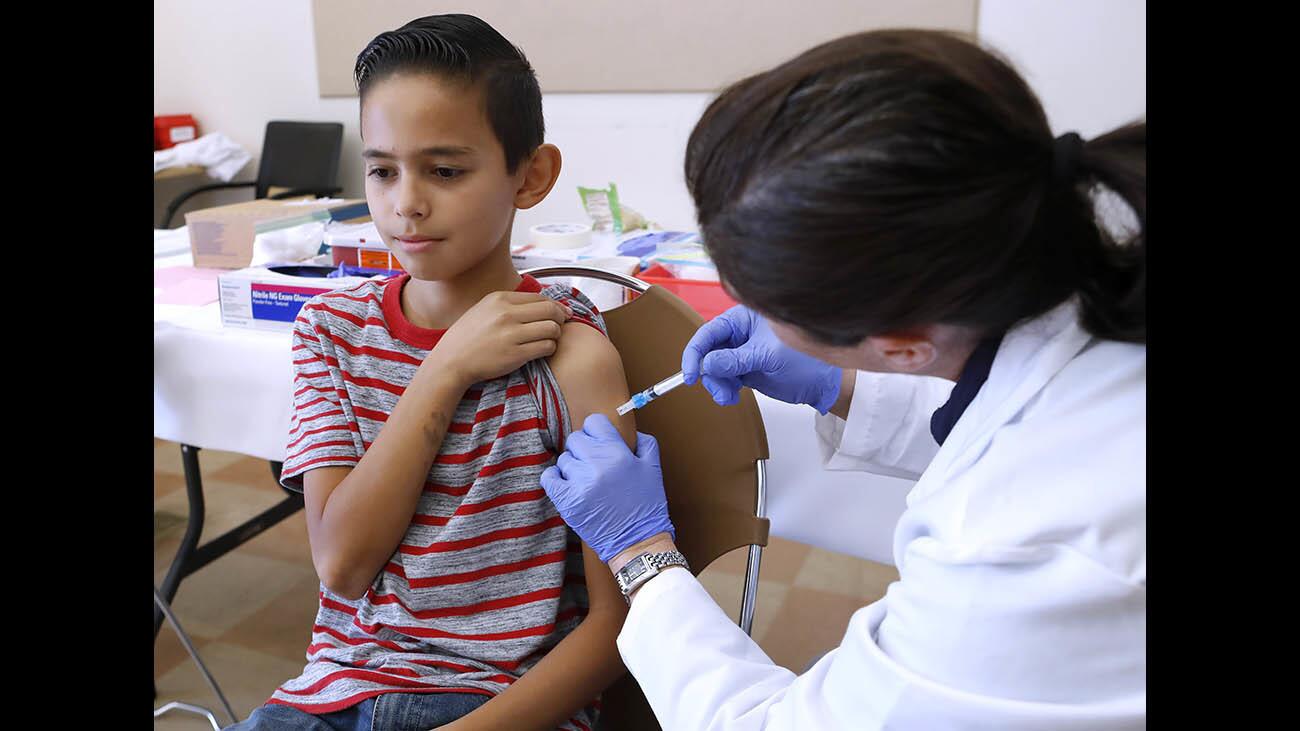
[
  {"x": 616, "y": 46},
  {"x": 237, "y": 64}
]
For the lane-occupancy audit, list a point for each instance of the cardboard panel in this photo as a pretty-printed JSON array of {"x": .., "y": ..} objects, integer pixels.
[{"x": 222, "y": 237}]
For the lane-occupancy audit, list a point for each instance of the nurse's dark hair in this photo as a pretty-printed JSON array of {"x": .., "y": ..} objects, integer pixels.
[
  {"x": 895, "y": 179},
  {"x": 464, "y": 48}
]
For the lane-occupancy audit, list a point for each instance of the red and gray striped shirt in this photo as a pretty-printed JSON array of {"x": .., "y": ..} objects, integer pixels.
[{"x": 488, "y": 578}]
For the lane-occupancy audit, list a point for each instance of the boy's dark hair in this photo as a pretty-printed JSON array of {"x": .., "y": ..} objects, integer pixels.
[
  {"x": 464, "y": 47},
  {"x": 893, "y": 179}
]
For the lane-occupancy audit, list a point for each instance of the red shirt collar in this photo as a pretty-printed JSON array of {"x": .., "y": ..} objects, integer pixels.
[{"x": 414, "y": 335}]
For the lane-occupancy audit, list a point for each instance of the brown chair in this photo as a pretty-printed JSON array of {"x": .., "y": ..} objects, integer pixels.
[{"x": 713, "y": 457}]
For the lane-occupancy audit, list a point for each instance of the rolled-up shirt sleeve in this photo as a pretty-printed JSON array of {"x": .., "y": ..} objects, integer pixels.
[{"x": 888, "y": 429}]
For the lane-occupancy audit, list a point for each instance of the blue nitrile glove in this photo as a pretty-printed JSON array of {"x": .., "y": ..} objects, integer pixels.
[
  {"x": 738, "y": 348},
  {"x": 609, "y": 496}
]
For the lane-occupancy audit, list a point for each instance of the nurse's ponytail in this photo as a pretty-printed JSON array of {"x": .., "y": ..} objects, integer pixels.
[
  {"x": 900, "y": 178},
  {"x": 1112, "y": 289}
]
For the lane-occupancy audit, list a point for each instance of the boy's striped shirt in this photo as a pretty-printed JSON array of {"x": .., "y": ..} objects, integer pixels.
[{"x": 488, "y": 577}]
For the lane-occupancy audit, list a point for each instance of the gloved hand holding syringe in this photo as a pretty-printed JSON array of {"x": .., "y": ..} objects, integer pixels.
[{"x": 652, "y": 393}]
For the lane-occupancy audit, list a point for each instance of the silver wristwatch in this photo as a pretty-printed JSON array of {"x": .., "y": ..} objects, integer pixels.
[{"x": 645, "y": 567}]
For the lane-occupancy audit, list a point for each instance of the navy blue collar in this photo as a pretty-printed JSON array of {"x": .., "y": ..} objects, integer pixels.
[{"x": 973, "y": 375}]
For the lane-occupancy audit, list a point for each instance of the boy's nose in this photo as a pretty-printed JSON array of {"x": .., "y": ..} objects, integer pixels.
[{"x": 410, "y": 204}]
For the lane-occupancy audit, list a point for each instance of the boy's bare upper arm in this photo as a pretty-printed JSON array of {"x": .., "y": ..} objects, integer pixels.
[{"x": 590, "y": 374}]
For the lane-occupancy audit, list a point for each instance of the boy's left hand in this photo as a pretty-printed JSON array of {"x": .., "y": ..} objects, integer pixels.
[{"x": 500, "y": 333}]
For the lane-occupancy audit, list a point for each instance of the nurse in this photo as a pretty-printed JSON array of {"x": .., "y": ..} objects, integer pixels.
[{"x": 889, "y": 205}]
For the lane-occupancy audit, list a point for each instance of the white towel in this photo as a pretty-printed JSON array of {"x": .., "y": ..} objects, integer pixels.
[
  {"x": 214, "y": 151},
  {"x": 295, "y": 244}
]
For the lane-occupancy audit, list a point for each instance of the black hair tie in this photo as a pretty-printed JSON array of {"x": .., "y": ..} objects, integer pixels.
[{"x": 1065, "y": 157}]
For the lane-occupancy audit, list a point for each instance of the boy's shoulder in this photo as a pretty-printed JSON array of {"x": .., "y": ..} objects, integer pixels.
[
  {"x": 584, "y": 310},
  {"x": 587, "y": 366}
]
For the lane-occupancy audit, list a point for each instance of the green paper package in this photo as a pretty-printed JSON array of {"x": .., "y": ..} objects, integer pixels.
[{"x": 607, "y": 213}]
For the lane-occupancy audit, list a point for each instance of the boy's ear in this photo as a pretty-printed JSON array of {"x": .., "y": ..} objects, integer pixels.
[{"x": 541, "y": 170}]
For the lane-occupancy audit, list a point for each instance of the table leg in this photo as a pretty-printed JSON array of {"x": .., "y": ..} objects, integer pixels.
[
  {"x": 193, "y": 529},
  {"x": 191, "y": 557}
]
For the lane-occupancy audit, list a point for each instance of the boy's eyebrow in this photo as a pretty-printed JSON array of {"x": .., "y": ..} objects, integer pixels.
[{"x": 436, "y": 151}]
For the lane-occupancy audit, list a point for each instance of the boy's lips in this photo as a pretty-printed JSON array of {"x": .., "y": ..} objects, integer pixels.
[{"x": 415, "y": 244}]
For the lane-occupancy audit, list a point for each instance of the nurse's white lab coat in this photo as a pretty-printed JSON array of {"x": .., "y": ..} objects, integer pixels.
[{"x": 1021, "y": 602}]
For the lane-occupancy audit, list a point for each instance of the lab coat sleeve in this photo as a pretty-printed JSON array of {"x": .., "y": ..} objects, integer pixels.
[
  {"x": 888, "y": 429},
  {"x": 982, "y": 641}
]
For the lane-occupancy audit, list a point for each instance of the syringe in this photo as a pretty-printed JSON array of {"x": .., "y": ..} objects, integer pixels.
[{"x": 652, "y": 393}]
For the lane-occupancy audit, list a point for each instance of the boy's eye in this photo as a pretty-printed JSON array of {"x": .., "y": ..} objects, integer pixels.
[
  {"x": 446, "y": 173},
  {"x": 380, "y": 173}
]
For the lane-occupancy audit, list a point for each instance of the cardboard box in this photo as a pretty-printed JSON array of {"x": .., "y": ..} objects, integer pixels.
[
  {"x": 260, "y": 299},
  {"x": 222, "y": 237}
]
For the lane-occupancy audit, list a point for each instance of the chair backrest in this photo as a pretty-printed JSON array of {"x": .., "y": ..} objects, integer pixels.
[
  {"x": 300, "y": 155},
  {"x": 709, "y": 455}
]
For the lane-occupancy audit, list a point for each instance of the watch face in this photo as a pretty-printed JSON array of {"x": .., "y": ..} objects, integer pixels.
[{"x": 634, "y": 569}]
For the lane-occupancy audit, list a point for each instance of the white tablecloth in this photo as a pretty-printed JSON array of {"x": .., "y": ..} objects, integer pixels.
[{"x": 230, "y": 389}]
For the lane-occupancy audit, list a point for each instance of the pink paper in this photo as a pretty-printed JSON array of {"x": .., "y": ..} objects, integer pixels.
[{"x": 185, "y": 286}]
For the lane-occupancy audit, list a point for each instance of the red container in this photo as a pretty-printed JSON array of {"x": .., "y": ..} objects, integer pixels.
[
  {"x": 705, "y": 297},
  {"x": 172, "y": 129},
  {"x": 362, "y": 257}
]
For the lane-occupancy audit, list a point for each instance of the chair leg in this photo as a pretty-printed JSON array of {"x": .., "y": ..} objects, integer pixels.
[
  {"x": 194, "y": 655},
  {"x": 197, "y": 710},
  {"x": 751, "y": 589},
  {"x": 755, "y": 553}
]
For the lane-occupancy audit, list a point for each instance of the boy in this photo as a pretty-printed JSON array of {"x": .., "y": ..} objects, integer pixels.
[{"x": 427, "y": 406}]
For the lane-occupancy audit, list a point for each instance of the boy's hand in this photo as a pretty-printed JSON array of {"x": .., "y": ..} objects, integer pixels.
[{"x": 499, "y": 334}]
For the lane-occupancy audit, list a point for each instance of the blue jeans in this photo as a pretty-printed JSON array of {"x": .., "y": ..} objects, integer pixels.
[{"x": 384, "y": 712}]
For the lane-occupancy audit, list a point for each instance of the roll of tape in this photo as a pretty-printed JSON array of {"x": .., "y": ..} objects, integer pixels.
[{"x": 561, "y": 235}]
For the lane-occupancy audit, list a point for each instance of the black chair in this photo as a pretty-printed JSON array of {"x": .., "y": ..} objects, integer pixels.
[{"x": 300, "y": 156}]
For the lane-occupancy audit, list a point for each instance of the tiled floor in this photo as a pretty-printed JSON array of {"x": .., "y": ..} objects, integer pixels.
[{"x": 249, "y": 613}]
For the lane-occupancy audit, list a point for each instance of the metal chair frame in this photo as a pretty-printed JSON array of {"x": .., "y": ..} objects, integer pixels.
[{"x": 194, "y": 655}]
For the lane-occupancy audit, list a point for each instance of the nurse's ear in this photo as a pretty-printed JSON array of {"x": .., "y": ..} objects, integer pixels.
[
  {"x": 904, "y": 352},
  {"x": 933, "y": 350}
]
